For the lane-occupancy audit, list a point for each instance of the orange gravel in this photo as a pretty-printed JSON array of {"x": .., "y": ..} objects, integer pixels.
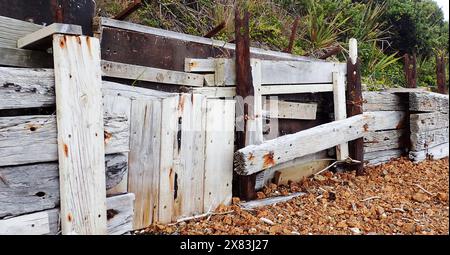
[{"x": 399, "y": 197}]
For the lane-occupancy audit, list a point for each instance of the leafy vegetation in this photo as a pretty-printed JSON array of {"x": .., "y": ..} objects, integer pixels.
[{"x": 385, "y": 29}]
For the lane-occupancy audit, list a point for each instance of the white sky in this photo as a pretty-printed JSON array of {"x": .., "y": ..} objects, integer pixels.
[{"x": 444, "y": 6}]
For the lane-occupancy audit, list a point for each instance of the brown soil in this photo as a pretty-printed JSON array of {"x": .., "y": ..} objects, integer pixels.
[{"x": 399, "y": 197}]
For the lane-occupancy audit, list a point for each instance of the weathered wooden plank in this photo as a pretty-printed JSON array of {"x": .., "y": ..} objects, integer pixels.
[
  {"x": 386, "y": 120},
  {"x": 354, "y": 102},
  {"x": 33, "y": 139},
  {"x": 25, "y": 58},
  {"x": 215, "y": 92},
  {"x": 379, "y": 157},
  {"x": 255, "y": 158},
  {"x": 189, "y": 156},
  {"x": 428, "y": 102},
  {"x": 81, "y": 149},
  {"x": 32, "y": 224},
  {"x": 13, "y": 29},
  {"x": 192, "y": 65},
  {"x": 273, "y": 72},
  {"x": 219, "y": 151},
  {"x": 41, "y": 39},
  {"x": 292, "y": 110},
  {"x": 26, "y": 88},
  {"x": 106, "y": 22},
  {"x": 267, "y": 176},
  {"x": 30, "y": 188},
  {"x": 429, "y": 139},
  {"x": 436, "y": 152},
  {"x": 32, "y": 88},
  {"x": 423, "y": 122},
  {"x": 297, "y": 173},
  {"x": 169, "y": 131},
  {"x": 340, "y": 110},
  {"x": 295, "y": 89},
  {"x": 143, "y": 178},
  {"x": 119, "y": 213},
  {"x": 382, "y": 101},
  {"x": 384, "y": 140},
  {"x": 142, "y": 73},
  {"x": 270, "y": 201},
  {"x": 296, "y": 72}
]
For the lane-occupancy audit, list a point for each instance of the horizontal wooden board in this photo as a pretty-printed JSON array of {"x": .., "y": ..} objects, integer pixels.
[
  {"x": 215, "y": 92},
  {"x": 12, "y": 30},
  {"x": 428, "y": 102},
  {"x": 291, "y": 110},
  {"x": 266, "y": 177},
  {"x": 30, "y": 188},
  {"x": 384, "y": 140},
  {"x": 295, "y": 89},
  {"x": 255, "y": 158},
  {"x": 31, "y": 88},
  {"x": 26, "y": 88},
  {"x": 382, "y": 101},
  {"x": 429, "y": 139},
  {"x": 423, "y": 122},
  {"x": 32, "y": 139},
  {"x": 119, "y": 219},
  {"x": 386, "y": 120},
  {"x": 379, "y": 157},
  {"x": 25, "y": 58},
  {"x": 297, "y": 173},
  {"x": 273, "y": 72},
  {"x": 41, "y": 39},
  {"x": 142, "y": 73},
  {"x": 166, "y": 35},
  {"x": 436, "y": 152}
]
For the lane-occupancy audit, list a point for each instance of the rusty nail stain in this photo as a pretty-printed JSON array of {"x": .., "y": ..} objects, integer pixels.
[
  {"x": 66, "y": 150},
  {"x": 79, "y": 40},
  {"x": 268, "y": 160},
  {"x": 62, "y": 42},
  {"x": 181, "y": 104},
  {"x": 366, "y": 127},
  {"x": 111, "y": 213},
  {"x": 251, "y": 157},
  {"x": 88, "y": 42},
  {"x": 107, "y": 136},
  {"x": 69, "y": 217}
]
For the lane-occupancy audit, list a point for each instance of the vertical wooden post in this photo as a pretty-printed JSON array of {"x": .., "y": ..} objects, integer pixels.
[
  {"x": 244, "y": 186},
  {"x": 81, "y": 149},
  {"x": 293, "y": 35},
  {"x": 354, "y": 103},
  {"x": 340, "y": 110},
  {"x": 410, "y": 70},
  {"x": 440, "y": 73}
]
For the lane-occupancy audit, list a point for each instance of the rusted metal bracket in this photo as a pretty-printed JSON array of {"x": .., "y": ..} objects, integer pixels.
[{"x": 129, "y": 10}]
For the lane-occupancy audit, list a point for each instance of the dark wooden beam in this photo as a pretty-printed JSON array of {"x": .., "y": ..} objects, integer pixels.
[
  {"x": 129, "y": 10},
  {"x": 293, "y": 35},
  {"x": 440, "y": 73},
  {"x": 45, "y": 12},
  {"x": 410, "y": 70},
  {"x": 244, "y": 185},
  {"x": 354, "y": 107},
  {"x": 216, "y": 30}
]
